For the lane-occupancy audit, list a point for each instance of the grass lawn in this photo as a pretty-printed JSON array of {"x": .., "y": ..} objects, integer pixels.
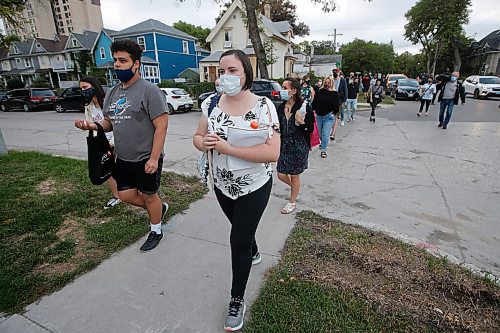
[
  {"x": 53, "y": 226},
  {"x": 335, "y": 277}
]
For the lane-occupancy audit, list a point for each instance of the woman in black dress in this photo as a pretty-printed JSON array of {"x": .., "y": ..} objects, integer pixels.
[{"x": 296, "y": 123}]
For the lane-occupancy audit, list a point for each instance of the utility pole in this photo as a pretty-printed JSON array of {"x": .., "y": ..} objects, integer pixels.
[{"x": 335, "y": 34}]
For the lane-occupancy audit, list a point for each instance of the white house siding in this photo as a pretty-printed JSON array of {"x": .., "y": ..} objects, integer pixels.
[{"x": 44, "y": 62}]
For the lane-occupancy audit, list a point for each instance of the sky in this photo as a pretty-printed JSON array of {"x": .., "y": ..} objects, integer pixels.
[{"x": 379, "y": 21}]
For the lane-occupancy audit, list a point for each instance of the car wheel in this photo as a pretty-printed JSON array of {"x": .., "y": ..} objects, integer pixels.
[
  {"x": 187, "y": 110},
  {"x": 59, "y": 108},
  {"x": 26, "y": 107},
  {"x": 170, "y": 109},
  {"x": 476, "y": 93}
]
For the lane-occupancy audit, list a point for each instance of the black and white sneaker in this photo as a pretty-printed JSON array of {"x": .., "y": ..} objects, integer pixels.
[
  {"x": 235, "y": 315},
  {"x": 152, "y": 241},
  {"x": 112, "y": 202},
  {"x": 256, "y": 259}
]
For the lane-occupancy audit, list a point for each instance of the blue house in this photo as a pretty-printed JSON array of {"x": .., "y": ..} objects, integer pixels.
[{"x": 166, "y": 51}]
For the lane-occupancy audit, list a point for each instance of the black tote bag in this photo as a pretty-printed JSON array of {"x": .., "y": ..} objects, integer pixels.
[{"x": 101, "y": 160}]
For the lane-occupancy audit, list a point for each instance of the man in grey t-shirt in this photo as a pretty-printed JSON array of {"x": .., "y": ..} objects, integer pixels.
[
  {"x": 136, "y": 111},
  {"x": 450, "y": 92}
]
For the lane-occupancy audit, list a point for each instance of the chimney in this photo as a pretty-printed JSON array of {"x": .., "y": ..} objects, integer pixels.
[{"x": 267, "y": 10}]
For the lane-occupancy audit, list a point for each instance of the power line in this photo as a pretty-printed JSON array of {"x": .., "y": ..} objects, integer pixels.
[{"x": 335, "y": 34}]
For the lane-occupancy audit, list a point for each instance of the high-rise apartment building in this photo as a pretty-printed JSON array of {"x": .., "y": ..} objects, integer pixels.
[{"x": 44, "y": 18}]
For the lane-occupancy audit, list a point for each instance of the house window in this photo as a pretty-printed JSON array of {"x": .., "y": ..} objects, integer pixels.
[
  {"x": 103, "y": 53},
  {"x": 142, "y": 42},
  {"x": 18, "y": 60},
  {"x": 38, "y": 45},
  {"x": 74, "y": 42},
  {"x": 150, "y": 72},
  {"x": 227, "y": 38},
  {"x": 185, "y": 47},
  {"x": 27, "y": 62}
]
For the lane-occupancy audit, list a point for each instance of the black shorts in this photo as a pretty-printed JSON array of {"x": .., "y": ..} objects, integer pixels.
[{"x": 129, "y": 175}]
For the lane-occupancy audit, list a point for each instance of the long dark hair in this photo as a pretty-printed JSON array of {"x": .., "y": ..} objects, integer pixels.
[
  {"x": 99, "y": 92},
  {"x": 295, "y": 84}
]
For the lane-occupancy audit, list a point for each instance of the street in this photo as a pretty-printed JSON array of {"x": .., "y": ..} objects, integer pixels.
[{"x": 402, "y": 175}]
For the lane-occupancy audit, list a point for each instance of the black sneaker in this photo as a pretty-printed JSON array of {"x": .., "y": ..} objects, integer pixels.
[
  {"x": 152, "y": 241},
  {"x": 444, "y": 126},
  {"x": 235, "y": 315},
  {"x": 440, "y": 125}
]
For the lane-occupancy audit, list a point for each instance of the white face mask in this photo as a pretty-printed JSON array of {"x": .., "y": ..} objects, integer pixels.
[{"x": 230, "y": 84}]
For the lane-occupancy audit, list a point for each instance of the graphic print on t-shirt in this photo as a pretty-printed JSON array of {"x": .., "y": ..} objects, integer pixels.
[{"x": 118, "y": 108}]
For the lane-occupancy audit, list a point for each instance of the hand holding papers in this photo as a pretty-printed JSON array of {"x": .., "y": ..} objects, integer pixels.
[{"x": 244, "y": 137}]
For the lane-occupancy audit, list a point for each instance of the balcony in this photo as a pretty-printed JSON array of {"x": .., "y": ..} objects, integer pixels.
[{"x": 62, "y": 66}]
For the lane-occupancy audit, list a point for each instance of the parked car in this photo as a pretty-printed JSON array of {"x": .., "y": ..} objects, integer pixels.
[
  {"x": 71, "y": 99},
  {"x": 178, "y": 100},
  {"x": 405, "y": 89},
  {"x": 391, "y": 79},
  {"x": 260, "y": 87},
  {"x": 29, "y": 99},
  {"x": 3, "y": 95},
  {"x": 482, "y": 86}
]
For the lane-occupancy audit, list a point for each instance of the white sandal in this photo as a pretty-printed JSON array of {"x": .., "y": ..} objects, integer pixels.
[{"x": 289, "y": 207}]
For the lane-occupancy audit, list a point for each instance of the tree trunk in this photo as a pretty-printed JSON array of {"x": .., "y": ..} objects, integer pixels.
[
  {"x": 253, "y": 31},
  {"x": 458, "y": 61},
  {"x": 435, "y": 59}
]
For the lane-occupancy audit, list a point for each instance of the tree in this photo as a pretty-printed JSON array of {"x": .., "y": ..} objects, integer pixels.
[
  {"x": 410, "y": 64},
  {"x": 15, "y": 84},
  {"x": 40, "y": 83},
  {"x": 321, "y": 47},
  {"x": 10, "y": 11},
  {"x": 251, "y": 12},
  {"x": 360, "y": 55},
  {"x": 435, "y": 24},
  {"x": 195, "y": 31},
  {"x": 5, "y": 41}
]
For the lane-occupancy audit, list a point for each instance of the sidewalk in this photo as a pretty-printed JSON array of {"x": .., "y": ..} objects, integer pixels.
[{"x": 181, "y": 286}]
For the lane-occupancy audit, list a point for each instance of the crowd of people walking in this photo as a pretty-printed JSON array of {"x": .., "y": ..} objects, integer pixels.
[{"x": 240, "y": 134}]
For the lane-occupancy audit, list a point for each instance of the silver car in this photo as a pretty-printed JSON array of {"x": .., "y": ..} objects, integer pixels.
[{"x": 482, "y": 86}]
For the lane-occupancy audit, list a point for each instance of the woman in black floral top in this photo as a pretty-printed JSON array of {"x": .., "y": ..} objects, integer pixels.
[
  {"x": 296, "y": 123},
  {"x": 242, "y": 129}
]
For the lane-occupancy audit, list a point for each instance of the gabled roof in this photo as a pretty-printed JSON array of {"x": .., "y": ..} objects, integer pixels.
[
  {"x": 152, "y": 25},
  {"x": 326, "y": 59},
  {"x": 86, "y": 39},
  {"x": 275, "y": 28},
  {"x": 23, "y": 47},
  {"x": 53, "y": 45},
  {"x": 200, "y": 49},
  {"x": 490, "y": 42},
  {"x": 215, "y": 57},
  {"x": 195, "y": 70},
  {"x": 107, "y": 32}
]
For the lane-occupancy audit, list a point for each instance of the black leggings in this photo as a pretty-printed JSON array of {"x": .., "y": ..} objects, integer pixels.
[
  {"x": 426, "y": 102},
  {"x": 374, "y": 106},
  {"x": 244, "y": 215}
]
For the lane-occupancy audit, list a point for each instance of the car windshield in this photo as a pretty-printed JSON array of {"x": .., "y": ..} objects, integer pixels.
[
  {"x": 408, "y": 83},
  {"x": 489, "y": 80},
  {"x": 179, "y": 92},
  {"x": 41, "y": 93}
]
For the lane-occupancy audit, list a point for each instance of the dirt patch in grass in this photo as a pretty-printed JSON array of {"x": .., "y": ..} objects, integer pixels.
[
  {"x": 47, "y": 187},
  {"x": 393, "y": 277}
]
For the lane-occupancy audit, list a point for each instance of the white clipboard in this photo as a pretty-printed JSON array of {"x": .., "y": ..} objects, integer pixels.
[{"x": 245, "y": 137}]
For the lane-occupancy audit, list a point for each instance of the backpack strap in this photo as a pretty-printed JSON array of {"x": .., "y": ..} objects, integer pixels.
[{"x": 213, "y": 102}]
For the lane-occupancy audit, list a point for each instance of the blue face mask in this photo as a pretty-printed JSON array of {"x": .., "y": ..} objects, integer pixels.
[
  {"x": 125, "y": 75},
  {"x": 453, "y": 78},
  {"x": 284, "y": 95}
]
